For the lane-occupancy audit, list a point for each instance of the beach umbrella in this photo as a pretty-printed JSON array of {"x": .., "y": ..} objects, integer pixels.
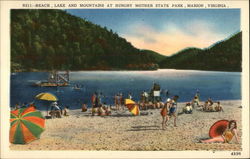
[
  {"x": 26, "y": 125},
  {"x": 132, "y": 106},
  {"x": 46, "y": 96},
  {"x": 218, "y": 128}
]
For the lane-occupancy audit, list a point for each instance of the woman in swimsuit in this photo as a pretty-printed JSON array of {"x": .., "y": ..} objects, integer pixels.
[
  {"x": 227, "y": 135},
  {"x": 164, "y": 113}
]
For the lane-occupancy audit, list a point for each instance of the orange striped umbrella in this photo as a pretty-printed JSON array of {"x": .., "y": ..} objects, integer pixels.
[{"x": 26, "y": 125}]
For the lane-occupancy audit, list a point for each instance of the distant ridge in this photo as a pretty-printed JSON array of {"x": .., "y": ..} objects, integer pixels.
[{"x": 222, "y": 56}]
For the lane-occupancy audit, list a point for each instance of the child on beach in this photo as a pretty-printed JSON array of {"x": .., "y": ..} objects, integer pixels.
[{"x": 227, "y": 135}]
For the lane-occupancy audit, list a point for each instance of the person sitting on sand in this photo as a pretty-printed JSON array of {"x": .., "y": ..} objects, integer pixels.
[
  {"x": 94, "y": 111},
  {"x": 164, "y": 113},
  {"x": 55, "y": 110},
  {"x": 161, "y": 104},
  {"x": 211, "y": 108},
  {"x": 195, "y": 101},
  {"x": 17, "y": 106},
  {"x": 205, "y": 106},
  {"x": 101, "y": 111},
  {"x": 84, "y": 108},
  {"x": 24, "y": 105},
  {"x": 227, "y": 135},
  {"x": 32, "y": 105},
  {"x": 218, "y": 107},
  {"x": 108, "y": 110},
  {"x": 188, "y": 108},
  {"x": 210, "y": 101},
  {"x": 66, "y": 111}
]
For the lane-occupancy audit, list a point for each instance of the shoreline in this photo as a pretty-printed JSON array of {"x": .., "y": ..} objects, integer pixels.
[
  {"x": 129, "y": 70},
  {"x": 124, "y": 132}
]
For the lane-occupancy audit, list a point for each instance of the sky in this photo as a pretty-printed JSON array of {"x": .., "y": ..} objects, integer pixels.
[{"x": 166, "y": 31}]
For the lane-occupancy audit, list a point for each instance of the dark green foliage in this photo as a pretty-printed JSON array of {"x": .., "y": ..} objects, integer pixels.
[
  {"x": 223, "y": 56},
  {"x": 54, "y": 39}
]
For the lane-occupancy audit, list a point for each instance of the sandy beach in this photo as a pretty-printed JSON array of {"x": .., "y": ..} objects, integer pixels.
[{"x": 123, "y": 131}]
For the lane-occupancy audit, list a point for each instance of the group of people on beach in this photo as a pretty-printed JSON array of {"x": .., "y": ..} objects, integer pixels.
[
  {"x": 169, "y": 110},
  {"x": 57, "y": 112},
  {"x": 98, "y": 106},
  {"x": 24, "y": 105}
]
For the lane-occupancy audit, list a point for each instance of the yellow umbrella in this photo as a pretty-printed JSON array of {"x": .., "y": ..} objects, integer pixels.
[
  {"x": 135, "y": 110},
  {"x": 129, "y": 101},
  {"x": 46, "y": 96},
  {"x": 132, "y": 106}
]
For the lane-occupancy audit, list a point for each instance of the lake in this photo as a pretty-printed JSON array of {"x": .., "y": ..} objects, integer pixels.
[{"x": 185, "y": 83}]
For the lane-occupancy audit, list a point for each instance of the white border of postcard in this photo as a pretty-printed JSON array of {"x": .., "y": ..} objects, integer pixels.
[{"x": 5, "y": 7}]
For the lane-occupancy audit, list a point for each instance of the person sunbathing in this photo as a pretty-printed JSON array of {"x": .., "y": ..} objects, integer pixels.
[
  {"x": 227, "y": 136},
  {"x": 218, "y": 107}
]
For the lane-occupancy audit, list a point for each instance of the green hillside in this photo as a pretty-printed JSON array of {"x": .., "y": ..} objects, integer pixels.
[
  {"x": 156, "y": 57},
  {"x": 223, "y": 56},
  {"x": 54, "y": 39}
]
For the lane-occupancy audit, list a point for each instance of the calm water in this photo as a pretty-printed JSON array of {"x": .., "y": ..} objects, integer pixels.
[{"x": 217, "y": 85}]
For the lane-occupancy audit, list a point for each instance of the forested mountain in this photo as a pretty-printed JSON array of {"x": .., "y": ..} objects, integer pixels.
[
  {"x": 53, "y": 39},
  {"x": 223, "y": 56}
]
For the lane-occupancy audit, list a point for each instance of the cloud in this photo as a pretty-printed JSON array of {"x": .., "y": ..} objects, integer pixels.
[{"x": 172, "y": 38}]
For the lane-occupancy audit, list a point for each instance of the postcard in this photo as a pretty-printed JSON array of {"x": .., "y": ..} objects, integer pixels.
[{"x": 124, "y": 79}]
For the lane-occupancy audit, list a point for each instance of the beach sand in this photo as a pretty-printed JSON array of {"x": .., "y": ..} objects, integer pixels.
[{"x": 122, "y": 131}]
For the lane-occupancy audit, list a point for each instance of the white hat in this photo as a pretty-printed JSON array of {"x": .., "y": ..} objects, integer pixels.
[{"x": 168, "y": 100}]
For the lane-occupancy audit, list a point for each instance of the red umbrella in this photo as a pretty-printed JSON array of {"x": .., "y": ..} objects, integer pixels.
[{"x": 218, "y": 128}]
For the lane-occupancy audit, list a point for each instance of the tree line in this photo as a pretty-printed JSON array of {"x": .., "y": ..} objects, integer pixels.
[{"x": 54, "y": 39}]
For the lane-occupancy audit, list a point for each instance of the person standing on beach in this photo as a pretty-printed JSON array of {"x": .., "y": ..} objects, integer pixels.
[
  {"x": 164, "y": 113},
  {"x": 116, "y": 101},
  {"x": 173, "y": 109},
  {"x": 130, "y": 96},
  {"x": 146, "y": 96},
  {"x": 121, "y": 101},
  {"x": 93, "y": 99},
  {"x": 167, "y": 93}
]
